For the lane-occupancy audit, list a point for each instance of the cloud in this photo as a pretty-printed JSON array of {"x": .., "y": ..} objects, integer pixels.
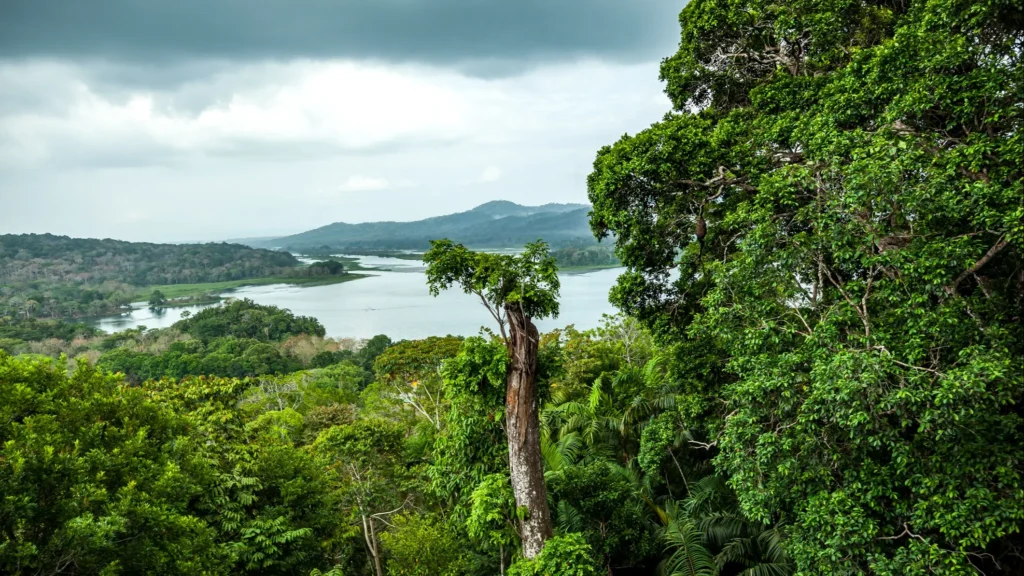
[
  {"x": 483, "y": 38},
  {"x": 491, "y": 174},
  {"x": 363, "y": 183},
  {"x": 291, "y": 109},
  {"x": 254, "y": 147},
  {"x": 56, "y": 115}
]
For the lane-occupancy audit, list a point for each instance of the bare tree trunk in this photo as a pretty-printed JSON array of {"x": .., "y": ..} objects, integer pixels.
[
  {"x": 371, "y": 543},
  {"x": 523, "y": 429}
]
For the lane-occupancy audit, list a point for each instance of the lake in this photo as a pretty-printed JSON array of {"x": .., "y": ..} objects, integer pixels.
[{"x": 394, "y": 302}]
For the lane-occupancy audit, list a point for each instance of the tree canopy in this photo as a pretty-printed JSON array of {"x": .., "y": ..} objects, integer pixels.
[
  {"x": 528, "y": 280},
  {"x": 829, "y": 225}
]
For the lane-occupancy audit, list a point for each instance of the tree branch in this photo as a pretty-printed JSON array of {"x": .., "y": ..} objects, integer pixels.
[{"x": 951, "y": 288}]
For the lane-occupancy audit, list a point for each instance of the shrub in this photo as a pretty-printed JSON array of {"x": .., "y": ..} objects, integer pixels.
[
  {"x": 419, "y": 546},
  {"x": 567, "y": 555}
]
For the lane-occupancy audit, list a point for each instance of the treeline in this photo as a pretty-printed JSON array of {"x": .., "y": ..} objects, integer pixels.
[
  {"x": 590, "y": 256},
  {"x": 45, "y": 257},
  {"x": 320, "y": 269},
  {"x": 239, "y": 339},
  {"x": 42, "y": 275}
]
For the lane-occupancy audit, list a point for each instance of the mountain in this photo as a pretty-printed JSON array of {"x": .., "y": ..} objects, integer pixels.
[{"x": 498, "y": 224}]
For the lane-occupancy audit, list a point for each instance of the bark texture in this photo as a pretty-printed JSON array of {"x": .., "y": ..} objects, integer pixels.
[{"x": 523, "y": 429}]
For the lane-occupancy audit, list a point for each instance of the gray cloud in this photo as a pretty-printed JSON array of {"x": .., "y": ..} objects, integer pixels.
[
  {"x": 480, "y": 37},
  {"x": 198, "y": 120}
]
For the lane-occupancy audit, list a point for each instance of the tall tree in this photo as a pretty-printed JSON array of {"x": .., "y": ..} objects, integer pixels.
[
  {"x": 515, "y": 289},
  {"x": 833, "y": 210}
]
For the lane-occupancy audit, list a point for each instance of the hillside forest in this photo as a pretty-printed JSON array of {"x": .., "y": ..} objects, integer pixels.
[
  {"x": 817, "y": 368},
  {"x": 47, "y": 276}
]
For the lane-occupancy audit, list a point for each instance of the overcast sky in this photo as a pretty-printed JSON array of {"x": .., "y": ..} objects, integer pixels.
[{"x": 194, "y": 120}]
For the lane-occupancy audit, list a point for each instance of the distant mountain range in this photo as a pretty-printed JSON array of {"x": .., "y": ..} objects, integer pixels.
[{"x": 498, "y": 224}]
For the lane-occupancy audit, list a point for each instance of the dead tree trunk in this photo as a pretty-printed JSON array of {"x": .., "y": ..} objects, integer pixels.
[
  {"x": 371, "y": 543},
  {"x": 523, "y": 429}
]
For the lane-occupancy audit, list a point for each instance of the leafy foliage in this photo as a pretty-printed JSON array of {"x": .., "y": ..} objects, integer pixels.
[
  {"x": 421, "y": 546},
  {"x": 568, "y": 555},
  {"x": 527, "y": 280},
  {"x": 247, "y": 319},
  {"x": 830, "y": 222}
]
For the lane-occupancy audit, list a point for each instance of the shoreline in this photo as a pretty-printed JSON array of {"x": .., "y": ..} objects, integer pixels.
[{"x": 174, "y": 291}]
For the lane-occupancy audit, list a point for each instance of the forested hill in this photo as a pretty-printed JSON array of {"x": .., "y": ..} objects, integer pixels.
[
  {"x": 45, "y": 257},
  {"x": 42, "y": 275},
  {"x": 497, "y": 224}
]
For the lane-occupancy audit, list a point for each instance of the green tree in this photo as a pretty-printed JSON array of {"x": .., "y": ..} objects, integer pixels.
[
  {"x": 157, "y": 299},
  {"x": 706, "y": 534},
  {"x": 271, "y": 503},
  {"x": 409, "y": 374},
  {"x": 247, "y": 319},
  {"x": 829, "y": 223},
  {"x": 98, "y": 477},
  {"x": 421, "y": 546},
  {"x": 366, "y": 460},
  {"x": 515, "y": 289}
]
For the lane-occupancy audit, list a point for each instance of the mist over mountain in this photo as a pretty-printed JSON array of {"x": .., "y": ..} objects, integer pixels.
[{"x": 497, "y": 224}]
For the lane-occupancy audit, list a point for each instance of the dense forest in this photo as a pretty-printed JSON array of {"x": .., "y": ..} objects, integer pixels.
[
  {"x": 818, "y": 367},
  {"x": 42, "y": 275},
  {"x": 585, "y": 257}
]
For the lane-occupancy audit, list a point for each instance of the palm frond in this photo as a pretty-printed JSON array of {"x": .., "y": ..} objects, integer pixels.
[
  {"x": 770, "y": 542},
  {"x": 689, "y": 557},
  {"x": 569, "y": 518},
  {"x": 722, "y": 528}
]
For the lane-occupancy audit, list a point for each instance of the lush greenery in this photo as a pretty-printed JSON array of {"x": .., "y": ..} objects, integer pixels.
[
  {"x": 586, "y": 257},
  {"x": 18, "y": 334},
  {"x": 491, "y": 225},
  {"x": 238, "y": 339},
  {"x": 819, "y": 368},
  {"x": 42, "y": 275},
  {"x": 839, "y": 189},
  {"x": 315, "y": 470}
]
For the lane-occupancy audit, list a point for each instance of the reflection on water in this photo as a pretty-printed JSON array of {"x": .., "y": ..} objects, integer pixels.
[
  {"x": 142, "y": 315},
  {"x": 396, "y": 303}
]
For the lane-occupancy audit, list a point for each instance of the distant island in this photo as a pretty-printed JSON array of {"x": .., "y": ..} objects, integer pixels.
[{"x": 497, "y": 224}]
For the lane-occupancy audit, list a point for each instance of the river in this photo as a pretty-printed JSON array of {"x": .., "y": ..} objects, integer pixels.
[{"x": 395, "y": 302}]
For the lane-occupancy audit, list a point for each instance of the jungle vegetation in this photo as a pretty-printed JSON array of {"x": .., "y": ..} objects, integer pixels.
[{"x": 818, "y": 368}]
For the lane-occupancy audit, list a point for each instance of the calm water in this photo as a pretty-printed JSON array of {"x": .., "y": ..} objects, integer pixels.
[{"x": 396, "y": 303}]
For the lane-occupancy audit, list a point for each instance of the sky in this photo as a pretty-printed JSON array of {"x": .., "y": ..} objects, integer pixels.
[{"x": 202, "y": 120}]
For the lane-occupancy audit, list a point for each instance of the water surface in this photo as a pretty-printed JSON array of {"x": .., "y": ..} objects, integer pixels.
[{"x": 394, "y": 302}]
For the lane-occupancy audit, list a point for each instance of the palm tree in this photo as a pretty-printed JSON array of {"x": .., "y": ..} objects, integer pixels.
[
  {"x": 708, "y": 536},
  {"x": 612, "y": 413}
]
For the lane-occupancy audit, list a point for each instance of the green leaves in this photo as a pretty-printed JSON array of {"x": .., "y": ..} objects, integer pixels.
[
  {"x": 528, "y": 280},
  {"x": 858, "y": 291},
  {"x": 567, "y": 555},
  {"x": 421, "y": 546}
]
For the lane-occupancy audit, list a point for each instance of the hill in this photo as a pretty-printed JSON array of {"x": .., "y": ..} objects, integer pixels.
[
  {"x": 497, "y": 224},
  {"x": 52, "y": 276},
  {"x": 29, "y": 257}
]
